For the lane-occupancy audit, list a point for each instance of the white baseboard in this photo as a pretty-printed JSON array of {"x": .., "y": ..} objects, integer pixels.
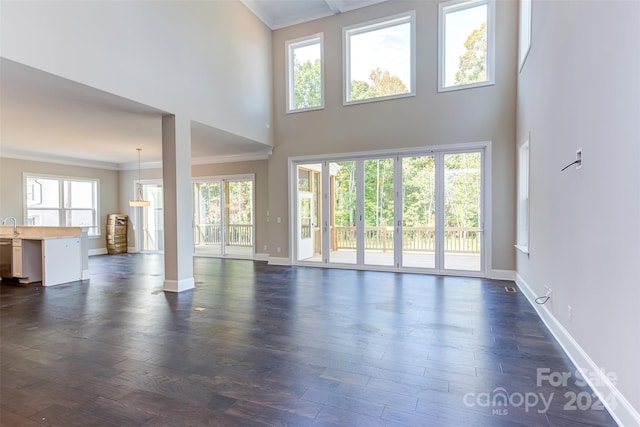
[
  {"x": 179, "y": 285},
  {"x": 618, "y": 406},
  {"x": 260, "y": 257},
  {"x": 502, "y": 274},
  {"x": 279, "y": 261},
  {"x": 99, "y": 251},
  {"x": 132, "y": 250}
]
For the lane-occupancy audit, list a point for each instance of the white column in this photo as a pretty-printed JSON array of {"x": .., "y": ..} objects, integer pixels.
[{"x": 178, "y": 204}]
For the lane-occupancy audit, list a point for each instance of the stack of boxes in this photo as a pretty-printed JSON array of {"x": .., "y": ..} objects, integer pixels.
[{"x": 117, "y": 233}]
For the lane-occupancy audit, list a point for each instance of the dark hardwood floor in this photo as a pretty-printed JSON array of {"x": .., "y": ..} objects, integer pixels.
[{"x": 257, "y": 345}]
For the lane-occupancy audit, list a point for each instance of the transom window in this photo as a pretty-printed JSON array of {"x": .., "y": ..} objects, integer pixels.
[
  {"x": 466, "y": 44},
  {"x": 60, "y": 201},
  {"x": 379, "y": 59},
  {"x": 305, "y": 77}
]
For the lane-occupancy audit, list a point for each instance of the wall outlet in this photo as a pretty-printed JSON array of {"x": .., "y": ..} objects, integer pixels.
[
  {"x": 579, "y": 158},
  {"x": 279, "y": 249},
  {"x": 265, "y": 247},
  {"x": 278, "y": 220},
  {"x": 569, "y": 312}
]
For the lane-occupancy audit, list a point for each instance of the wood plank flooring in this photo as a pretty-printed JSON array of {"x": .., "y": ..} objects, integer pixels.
[{"x": 259, "y": 345}]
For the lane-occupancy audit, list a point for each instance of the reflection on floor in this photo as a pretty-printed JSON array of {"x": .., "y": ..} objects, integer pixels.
[
  {"x": 453, "y": 261},
  {"x": 259, "y": 345},
  {"x": 240, "y": 252}
]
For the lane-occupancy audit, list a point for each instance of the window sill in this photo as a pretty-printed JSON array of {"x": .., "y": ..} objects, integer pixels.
[{"x": 522, "y": 248}]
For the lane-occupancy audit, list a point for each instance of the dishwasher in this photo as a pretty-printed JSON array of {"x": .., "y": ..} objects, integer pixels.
[{"x": 6, "y": 257}]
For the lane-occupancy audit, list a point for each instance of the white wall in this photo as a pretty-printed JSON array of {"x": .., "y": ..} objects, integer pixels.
[
  {"x": 429, "y": 118},
  {"x": 12, "y": 189},
  {"x": 207, "y": 60},
  {"x": 580, "y": 88}
]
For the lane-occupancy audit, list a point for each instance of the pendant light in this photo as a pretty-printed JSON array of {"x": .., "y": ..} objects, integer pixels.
[{"x": 139, "y": 201}]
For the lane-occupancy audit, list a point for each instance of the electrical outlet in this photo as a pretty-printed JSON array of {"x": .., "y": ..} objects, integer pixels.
[
  {"x": 547, "y": 291},
  {"x": 569, "y": 312},
  {"x": 265, "y": 247},
  {"x": 579, "y": 158},
  {"x": 279, "y": 249}
]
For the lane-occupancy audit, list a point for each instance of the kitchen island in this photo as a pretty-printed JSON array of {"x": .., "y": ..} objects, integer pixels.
[{"x": 51, "y": 255}]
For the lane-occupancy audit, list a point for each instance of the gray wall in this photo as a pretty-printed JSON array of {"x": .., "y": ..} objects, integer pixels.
[
  {"x": 207, "y": 60},
  {"x": 580, "y": 88},
  {"x": 12, "y": 189},
  {"x": 429, "y": 118}
]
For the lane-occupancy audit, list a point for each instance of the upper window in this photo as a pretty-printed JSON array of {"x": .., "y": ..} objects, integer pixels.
[
  {"x": 58, "y": 201},
  {"x": 466, "y": 39},
  {"x": 305, "y": 76},
  {"x": 379, "y": 59}
]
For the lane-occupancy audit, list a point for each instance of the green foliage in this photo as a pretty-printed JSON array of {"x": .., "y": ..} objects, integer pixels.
[
  {"x": 462, "y": 191},
  {"x": 345, "y": 194},
  {"x": 419, "y": 183},
  {"x": 307, "y": 84},
  {"x": 381, "y": 83},
  {"x": 473, "y": 63}
]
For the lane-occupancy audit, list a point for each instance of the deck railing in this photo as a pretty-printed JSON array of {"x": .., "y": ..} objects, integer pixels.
[
  {"x": 418, "y": 239},
  {"x": 236, "y": 234}
]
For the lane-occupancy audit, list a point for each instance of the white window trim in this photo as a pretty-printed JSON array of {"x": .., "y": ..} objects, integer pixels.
[
  {"x": 25, "y": 217},
  {"x": 524, "y": 39},
  {"x": 523, "y": 216},
  {"x": 388, "y": 21},
  {"x": 289, "y": 46},
  {"x": 457, "y": 5}
]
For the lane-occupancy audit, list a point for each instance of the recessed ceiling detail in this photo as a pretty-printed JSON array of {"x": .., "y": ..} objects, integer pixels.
[{"x": 278, "y": 14}]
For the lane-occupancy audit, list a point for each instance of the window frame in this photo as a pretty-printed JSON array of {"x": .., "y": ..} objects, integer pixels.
[
  {"x": 523, "y": 197},
  {"x": 290, "y": 46},
  {"x": 61, "y": 209},
  {"x": 457, "y": 6},
  {"x": 373, "y": 25}
]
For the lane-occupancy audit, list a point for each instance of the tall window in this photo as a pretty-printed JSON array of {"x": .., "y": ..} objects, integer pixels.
[
  {"x": 523, "y": 197},
  {"x": 59, "y": 201},
  {"x": 466, "y": 40},
  {"x": 379, "y": 59},
  {"x": 305, "y": 75}
]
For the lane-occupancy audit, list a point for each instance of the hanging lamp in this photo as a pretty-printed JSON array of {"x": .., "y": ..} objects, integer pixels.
[{"x": 139, "y": 201}]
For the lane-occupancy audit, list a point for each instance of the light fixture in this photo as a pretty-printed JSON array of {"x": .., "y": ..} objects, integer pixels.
[{"x": 139, "y": 201}]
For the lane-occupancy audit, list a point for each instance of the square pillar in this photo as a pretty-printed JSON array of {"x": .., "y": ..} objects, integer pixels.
[{"x": 178, "y": 204}]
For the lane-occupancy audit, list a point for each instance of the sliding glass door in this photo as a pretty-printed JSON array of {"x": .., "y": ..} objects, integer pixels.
[
  {"x": 223, "y": 217},
  {"x": 418, "y": 212}
]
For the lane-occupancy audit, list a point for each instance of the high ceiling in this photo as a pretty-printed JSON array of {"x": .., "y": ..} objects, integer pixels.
[
  {"x": 49, "y": 118},
  {"x": 278, "y": 14}
]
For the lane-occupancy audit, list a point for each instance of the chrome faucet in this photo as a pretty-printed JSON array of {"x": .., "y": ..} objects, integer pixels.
[{"x": 15, "y": 229}]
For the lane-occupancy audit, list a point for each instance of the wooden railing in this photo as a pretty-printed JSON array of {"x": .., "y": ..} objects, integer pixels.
[
  {"x": 236, "y": 234},
  {"x": 419, "y": 239}
]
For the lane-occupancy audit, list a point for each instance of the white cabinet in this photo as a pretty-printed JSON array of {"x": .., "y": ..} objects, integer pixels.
[{"x": 61, "y": 260}]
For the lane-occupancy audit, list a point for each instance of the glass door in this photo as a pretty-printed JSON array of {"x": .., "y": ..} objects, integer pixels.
[
  {"x": 407, "y": 212},
  {"x": 208, "y": 218},
  {"x": 379, "y": 201},
  {"x": 462, "y": 216},
  {"x": 238, "y": 226},
  {"x": 223, "y": 217},
  {"x": 343, "y": 212},
  {"x": 309, "y": 212},
  {"x": 151, "y": 233},
  {"x": 419, "y": 212}
]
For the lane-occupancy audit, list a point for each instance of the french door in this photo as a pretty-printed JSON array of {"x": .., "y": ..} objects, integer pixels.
[
  {"x": 151, "y": 218},
  {"x": 419, "y": 211},
  {"x": 223, "y": 216}
]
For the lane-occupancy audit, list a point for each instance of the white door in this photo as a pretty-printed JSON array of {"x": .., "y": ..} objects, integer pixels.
[{"x": 305, "y": 226}]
